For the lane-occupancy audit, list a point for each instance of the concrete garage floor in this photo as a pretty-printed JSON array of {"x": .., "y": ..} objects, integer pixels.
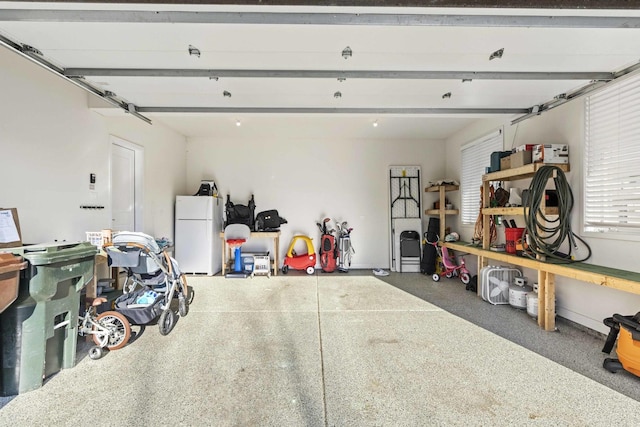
[{"x": 339, "y": 350}]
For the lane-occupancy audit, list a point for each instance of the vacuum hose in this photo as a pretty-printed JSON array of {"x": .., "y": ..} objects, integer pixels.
[{"x": 546, "y": 235}]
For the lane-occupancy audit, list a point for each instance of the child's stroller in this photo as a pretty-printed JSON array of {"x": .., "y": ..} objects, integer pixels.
[{"x": 153, "y": 280}]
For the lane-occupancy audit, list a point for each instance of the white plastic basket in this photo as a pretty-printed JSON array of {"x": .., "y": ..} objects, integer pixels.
[
  {"x": 95, "y": 238},
  {"x": 99, "y": 238}
]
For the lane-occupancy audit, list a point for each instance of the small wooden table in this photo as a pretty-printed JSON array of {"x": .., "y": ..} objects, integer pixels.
[{"x": 274, "y": 235}]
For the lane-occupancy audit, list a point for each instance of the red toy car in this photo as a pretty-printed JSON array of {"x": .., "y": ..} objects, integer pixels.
[{"x": 305, "y": 262}]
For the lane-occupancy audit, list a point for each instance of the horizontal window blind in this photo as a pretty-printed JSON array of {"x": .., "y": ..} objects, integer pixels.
[
  {"x": 612, "y": 159},
  {"x": 476, "y": 157}
]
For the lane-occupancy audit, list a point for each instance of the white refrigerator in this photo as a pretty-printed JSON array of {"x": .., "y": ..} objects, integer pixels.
[{"x": 197, "y": 235}]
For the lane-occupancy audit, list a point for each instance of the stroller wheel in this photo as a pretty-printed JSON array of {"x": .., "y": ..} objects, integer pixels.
[
  {"x": 184, "y": 288},
  {"x": 436, "y": 277},
  {"x": 166, "y": 322},
  {"x": 183, "y": 307},
  {"x": 95, "y": 353}
]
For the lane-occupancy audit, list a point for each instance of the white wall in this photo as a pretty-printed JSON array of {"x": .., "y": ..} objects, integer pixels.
[
  {"x": 307, "y": 179},
  {"x": 49, "y": 144},
  {"x": 584, "y": 303}
]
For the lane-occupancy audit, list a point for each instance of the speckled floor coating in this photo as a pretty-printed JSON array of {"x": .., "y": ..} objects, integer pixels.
[{"x": 322, "y": 350}]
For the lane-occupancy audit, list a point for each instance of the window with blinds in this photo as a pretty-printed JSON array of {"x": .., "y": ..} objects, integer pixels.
[
  {"x": 476, "y": 157},
  {"x": 612, "y": 159}
]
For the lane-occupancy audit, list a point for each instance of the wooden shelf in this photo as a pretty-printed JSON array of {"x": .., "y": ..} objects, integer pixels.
[
  {"x": 522, "y": 172},
  {"x": 442, "y": 212},
  {"x": 546, "y": 272},
  {"x": 436, "y": 188},
  {"x": 446, "y": 212},
  {"x": 515, "y": 211}
]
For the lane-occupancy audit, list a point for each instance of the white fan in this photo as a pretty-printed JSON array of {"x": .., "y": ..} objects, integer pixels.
[{"x": 501, "y": 287}]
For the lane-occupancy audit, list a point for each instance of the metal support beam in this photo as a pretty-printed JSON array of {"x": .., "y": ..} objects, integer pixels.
[
  {"x": 563, "y": 98},
  {"x": 269, "y": 110},
  {"x": 336, "y": 74},
  {"x": 33, "y": 55},
  {"x": 282, "y": 18}
]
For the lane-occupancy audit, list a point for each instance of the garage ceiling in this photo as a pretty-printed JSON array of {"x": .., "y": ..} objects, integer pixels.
[{"x": 417, "y": 72}]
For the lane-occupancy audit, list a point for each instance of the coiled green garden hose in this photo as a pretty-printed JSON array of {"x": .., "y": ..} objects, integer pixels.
[{"x": 546, "y": 234}]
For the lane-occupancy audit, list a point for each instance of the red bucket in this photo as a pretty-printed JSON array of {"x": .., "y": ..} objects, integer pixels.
[{"x": 513, "y": 237}]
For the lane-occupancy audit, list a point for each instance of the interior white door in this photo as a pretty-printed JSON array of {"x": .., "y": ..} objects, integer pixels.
[{"x": 122, "y": 188}]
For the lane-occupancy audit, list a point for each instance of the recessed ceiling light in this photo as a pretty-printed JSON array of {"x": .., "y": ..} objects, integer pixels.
[
  {"x": 375, "y": 124},
  {"x": 338, "y": 94},
  {"x": 226, "y": 94},
  {"x": 497, "y": 54},
  {"x": 238, "y": 123},
  {"x": 347, "y": 52},
  {"x": 446, "y": 95},
  {"x": 194, "y": 51}
]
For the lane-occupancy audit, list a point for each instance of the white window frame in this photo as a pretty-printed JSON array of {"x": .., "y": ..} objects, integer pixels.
[
  {"x": 475, "y": 157},
  {"x": 611, "y": 179}
]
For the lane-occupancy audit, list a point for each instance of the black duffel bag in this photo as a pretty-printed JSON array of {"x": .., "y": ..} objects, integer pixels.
[{"x": 269, "y": 221}]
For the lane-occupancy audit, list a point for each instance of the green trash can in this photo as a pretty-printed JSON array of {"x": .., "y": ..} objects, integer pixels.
[{"x": 40, "y": 330}]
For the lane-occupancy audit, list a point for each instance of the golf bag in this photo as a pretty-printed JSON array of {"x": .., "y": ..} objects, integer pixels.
[
  {"x": 344, "y": 253},
  {"x": 429, "y": 255},
  {"x": 328, "y": 253},
  {"x": 429, "y": 252}
]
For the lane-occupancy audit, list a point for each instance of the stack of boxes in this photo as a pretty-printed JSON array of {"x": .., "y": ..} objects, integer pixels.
[
  {"x": 530, "y": 153},
  {"x": 551, "y": 153}
]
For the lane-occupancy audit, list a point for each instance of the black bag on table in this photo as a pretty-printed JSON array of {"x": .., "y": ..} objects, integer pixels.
[{"x": 269, "y": 221}]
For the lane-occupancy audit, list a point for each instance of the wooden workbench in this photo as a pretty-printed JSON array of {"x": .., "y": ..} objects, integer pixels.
[{"x": 623, "y": 280}]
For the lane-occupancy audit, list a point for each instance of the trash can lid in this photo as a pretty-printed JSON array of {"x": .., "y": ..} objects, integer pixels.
[{"x": 49, "y": 253}]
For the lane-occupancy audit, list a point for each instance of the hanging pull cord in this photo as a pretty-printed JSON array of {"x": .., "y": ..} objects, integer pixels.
[{"x": 547, "y": 235}]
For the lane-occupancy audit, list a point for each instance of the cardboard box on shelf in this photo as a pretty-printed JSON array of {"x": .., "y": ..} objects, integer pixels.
[
  {"x": 551, "y": 153},
  {"x": 505, "y": 163},
  {"x": 10, "y": 235},
  {"x": 520, "y": 158},
  {"x": 495, "y": 160},
  {"x": 524, "y": 147}
]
